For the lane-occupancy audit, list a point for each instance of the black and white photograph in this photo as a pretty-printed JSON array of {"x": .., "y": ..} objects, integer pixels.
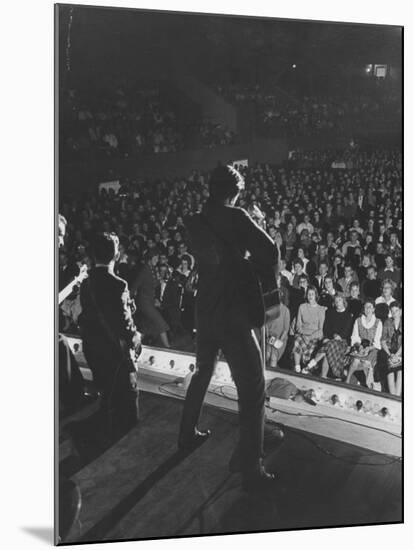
[{"x": 229, "y": 274}]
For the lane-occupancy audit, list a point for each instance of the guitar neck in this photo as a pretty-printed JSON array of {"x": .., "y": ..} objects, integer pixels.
[{"x": 63, "y": 294}]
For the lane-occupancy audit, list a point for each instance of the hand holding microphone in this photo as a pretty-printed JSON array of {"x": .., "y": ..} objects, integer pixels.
[
  {"x": 136, "y": 342},
  {"x": 258, "y": 215}
]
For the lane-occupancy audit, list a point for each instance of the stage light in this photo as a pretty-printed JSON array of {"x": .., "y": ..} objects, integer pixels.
[
  {"x": 334, "y": 399},
  {"x": 384, "y": 412}
]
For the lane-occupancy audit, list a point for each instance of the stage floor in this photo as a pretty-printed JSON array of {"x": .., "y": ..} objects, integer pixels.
[{"x": 141, "y": 488}]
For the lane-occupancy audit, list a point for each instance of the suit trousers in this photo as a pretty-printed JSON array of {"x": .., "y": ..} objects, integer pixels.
[
  {"x": 241, "y": 350},
  {"x": 119, "y": 402}
]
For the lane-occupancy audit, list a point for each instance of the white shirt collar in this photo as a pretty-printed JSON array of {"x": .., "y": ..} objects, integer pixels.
[{"x": 366, "y": 323}]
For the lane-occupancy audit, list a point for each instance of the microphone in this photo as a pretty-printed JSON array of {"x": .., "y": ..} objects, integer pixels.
[{"x": 258, "y": 216}]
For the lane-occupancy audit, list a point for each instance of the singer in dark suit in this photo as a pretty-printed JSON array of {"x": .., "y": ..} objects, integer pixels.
[
  {"x": 222, "y": 321},
  {"x": 108, "y": 334}
]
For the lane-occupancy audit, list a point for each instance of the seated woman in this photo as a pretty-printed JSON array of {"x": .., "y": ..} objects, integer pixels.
[
  {"x": 387, "y": 294},
  {"x": 337, "y": 331},
  {"x": 367, "y": 328},
  {"x": 309, "y": 328},
  {"x": 391, "y": 343}
]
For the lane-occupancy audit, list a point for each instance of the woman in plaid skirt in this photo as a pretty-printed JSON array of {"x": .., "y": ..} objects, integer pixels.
[
  {"x": 309, "y": 328},
  {"x": 337, "y": 331},
  {"x": 367, "y": 327}
]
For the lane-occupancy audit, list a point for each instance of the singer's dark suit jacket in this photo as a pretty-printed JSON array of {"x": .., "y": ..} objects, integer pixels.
[{"x": 218, "y": 298}]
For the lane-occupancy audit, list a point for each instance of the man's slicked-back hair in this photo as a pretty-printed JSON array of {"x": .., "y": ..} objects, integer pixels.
[
  {"x": 225, "y": 183},
  {"x": 105, "y": 248}
]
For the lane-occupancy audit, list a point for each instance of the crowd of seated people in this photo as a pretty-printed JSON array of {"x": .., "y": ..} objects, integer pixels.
[
  {"x": 214, "y": 134},
  {"x": 117, "y": 123},
  {"x": 339, "y": 236},
  {"x": 120, "y": 123},
  {"x": 280, "y": 110}
]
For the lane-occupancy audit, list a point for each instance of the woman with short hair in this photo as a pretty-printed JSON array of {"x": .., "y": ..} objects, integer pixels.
[
  {"x": 387, "y": 293},
  {"x": 309, "y": 328}
]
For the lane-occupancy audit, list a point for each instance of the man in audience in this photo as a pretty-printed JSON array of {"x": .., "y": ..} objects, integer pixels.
[
  {"x": 346, "y": 281},
  {"x": 320, "y": 279},
  {"x": 390, "y": 271},
  {"x": 305, "y": 225},
  {"x": 371, "y": 287}
]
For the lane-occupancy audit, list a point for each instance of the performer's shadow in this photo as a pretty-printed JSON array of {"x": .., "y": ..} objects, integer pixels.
[{"x": 114, "y": 516}]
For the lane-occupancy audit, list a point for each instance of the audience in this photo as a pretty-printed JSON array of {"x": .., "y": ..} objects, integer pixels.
[
  {"x": 331, "y": 241},
  {"x": 215, "y": 134},
  {"x": 122, "y": 123},
  {"x": 118, "y": 122},
  {"x": 280, "y": 110}
]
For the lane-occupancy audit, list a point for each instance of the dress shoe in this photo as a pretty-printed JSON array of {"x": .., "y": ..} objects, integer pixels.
[
  {"x": 273, "y": 433},
  {"x": 258, "y": 480},
  {"x": 196, "y": 440}
]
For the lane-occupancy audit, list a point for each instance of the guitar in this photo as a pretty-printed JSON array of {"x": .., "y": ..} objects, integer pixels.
[{"x": 64, "y": 293}]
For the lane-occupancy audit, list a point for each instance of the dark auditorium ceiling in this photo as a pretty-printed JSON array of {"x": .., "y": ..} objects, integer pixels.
[{"x": 111, "y": 36}]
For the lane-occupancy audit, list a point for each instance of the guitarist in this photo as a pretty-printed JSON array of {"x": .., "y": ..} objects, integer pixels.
[
  {"x": 108, "y": 335},
  {"x": 219, "y": 236}
]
